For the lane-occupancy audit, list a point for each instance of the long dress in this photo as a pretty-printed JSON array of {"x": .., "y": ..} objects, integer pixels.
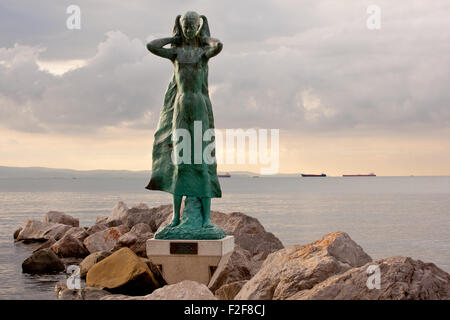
[{"x": 184, "y": 179}]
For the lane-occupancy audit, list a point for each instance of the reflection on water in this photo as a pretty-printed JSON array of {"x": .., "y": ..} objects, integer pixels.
[{"x": 387, "y": 216}]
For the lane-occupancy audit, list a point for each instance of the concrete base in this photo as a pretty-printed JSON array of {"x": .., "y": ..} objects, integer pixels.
[{"x": 198, "y": 260}]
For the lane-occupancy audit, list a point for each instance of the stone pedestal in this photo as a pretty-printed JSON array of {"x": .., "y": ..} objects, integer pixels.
[{"x": 198, "y": 260}]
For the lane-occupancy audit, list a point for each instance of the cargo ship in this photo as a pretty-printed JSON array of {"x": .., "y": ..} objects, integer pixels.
[
  {"x": 225, "y": 175},
  {"x": 360, "y": 175},
  {"x": 313, "y": 175}
]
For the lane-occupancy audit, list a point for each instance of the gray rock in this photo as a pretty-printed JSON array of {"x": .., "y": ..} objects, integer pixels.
[
  {"x": 252, "y": 246},
  {"x": 16, "y": 233},
  {"x": 105, "y": 240},
  {"x": 44, "y": 261},
  {"x": 90, "y": 260},
  {"x": 150, "y": 216},
  {"x": 101, "y": 219},
  {"x": 60, "y": 217},
  {"x": 297, "y": 268},
  {"x": 96, "y": 228},
  {"x": 46, "y": 244},
  {"x": 118, "y": 213},
  {"x": 41, "y": 231},
  {"x": 78, "y": 233},
  {"x": 184, "y": 290},
  {"x": 136, "y": 239},
  {"x": 69, "y": 246},
  {"x": 230, "y": 290},
  {"x": 402, "y": 278},
  {"x": 88, "y": 293}
]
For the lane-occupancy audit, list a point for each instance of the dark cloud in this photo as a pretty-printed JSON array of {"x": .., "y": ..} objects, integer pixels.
[{"x": 305, "y": 65}]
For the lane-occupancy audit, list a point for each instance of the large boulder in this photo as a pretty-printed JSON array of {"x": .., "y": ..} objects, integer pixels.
[
  {"x": 122, "y": 272},
  {"x": 118, "y": 213},
  {"x": 230, "y": 290},
  {"x": 46, "y": 244},
  {"x": 16, "y": 233},
  {"x": 252, "y": 246},
  {"x": 87, "y": 293},
  {"x": 78, "y": 233},
  {"x": 297, "y": 268},
  {"x": 44, "y": 261},
  {"x": 90, "y": 260},
  {"x": 60, "y": 217},
  {"x": 97, "y": 227},
  {"x": 184, "y": 290},
  {"x": 402, "y": 278},
  {"x": 33, "y": 230},
  {"x": 105, "y": 240},
  {"x": 154, "y": 217},
  {"x": 136, "y": 239},
  {"x": 69, "y": 246}
]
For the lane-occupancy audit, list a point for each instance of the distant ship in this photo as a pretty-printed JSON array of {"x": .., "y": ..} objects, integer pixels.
[
  {"x": 226, "y": 175},
  {"x": 313, "y": 175},
  {"x": 360, "y": 175}
]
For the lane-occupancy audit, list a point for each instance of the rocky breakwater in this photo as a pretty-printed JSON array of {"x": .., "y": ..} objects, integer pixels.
[
  {"x": 111, "y": 256},
  {"x": 336, "y": 268}
]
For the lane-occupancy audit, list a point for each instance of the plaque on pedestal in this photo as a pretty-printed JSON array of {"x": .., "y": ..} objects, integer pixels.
[{"x": 197, "y": 260}]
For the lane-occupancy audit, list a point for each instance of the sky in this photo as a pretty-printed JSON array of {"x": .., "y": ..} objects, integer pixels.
[{"x": 346, "y": 99}]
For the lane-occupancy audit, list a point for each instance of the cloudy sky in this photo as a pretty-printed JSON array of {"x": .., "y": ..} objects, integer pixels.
[{"x": 345, "y": 98}]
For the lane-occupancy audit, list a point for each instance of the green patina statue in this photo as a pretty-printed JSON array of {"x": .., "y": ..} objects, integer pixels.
[{"x": 187, "y": 104}]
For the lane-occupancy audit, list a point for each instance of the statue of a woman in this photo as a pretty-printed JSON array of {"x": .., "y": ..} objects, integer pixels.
[{"x": 186, "y": 105}]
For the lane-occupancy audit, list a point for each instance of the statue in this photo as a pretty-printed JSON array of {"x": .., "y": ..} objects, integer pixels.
[{"x": 186, "y": 102}]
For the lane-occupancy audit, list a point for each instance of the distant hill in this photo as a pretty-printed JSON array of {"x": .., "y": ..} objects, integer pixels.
[{"x": 42, "y": 172}]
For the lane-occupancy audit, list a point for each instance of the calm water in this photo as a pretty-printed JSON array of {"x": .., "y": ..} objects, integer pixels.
[{"x": 387, "y": 216}]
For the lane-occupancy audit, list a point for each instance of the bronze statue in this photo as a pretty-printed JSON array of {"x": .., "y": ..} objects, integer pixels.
[{"x": 186, "y": 102}]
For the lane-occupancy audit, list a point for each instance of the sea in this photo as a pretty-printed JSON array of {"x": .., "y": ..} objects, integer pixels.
[{"x": 387, "y": 216}]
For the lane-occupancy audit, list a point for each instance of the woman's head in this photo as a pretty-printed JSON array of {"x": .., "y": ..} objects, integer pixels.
[
  {"x": 187, "y": 27},
  {"x": 190, "y": 23}
]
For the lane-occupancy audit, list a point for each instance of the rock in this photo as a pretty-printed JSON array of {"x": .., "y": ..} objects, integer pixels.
[
  {"x": 154, "y": 217},
  {"x": 46, "y": 244},
  {"x": 69, "y": 246},
  {"x": 78, "y": 233},
  {"x": 60, "y": 217},
  {"x": 105, "y": 240},
  {"x": 101, "y": 219},
  {"x": 122, "y": 272},
  {"x": 87, "y": 293},
  {"x": 136, "y": 239},
  {"x": 184, "y": 290},
  {"x": 41, "y": 231},
  {"x": 90, "y": 260},
  {"x": 402, "y": 278},
  {"x": 44, "y": 261},
  {"x": 248, "y": 232},
  {"x": 230, "y": 290},
  {"x": 297, "y": 268},
  {"x": 16, "y": 233},
  {"x": 238, "y": 267},
  {"x": 252, "y": 245},
  {"x": 118, "y": 213},
  {"x": 96, "y": 228}
]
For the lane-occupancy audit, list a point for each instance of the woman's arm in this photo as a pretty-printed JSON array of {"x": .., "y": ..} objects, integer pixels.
[
  {"x": 157, "y": 47},
  {"x": 215, "y": 46}
]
